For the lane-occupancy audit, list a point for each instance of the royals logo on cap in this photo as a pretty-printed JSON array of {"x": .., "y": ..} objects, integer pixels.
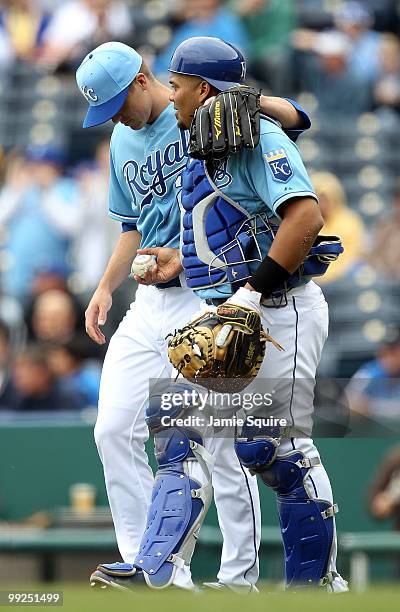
[
  {"x": 104, "y": 78},
  {"x": 89, "y": 94},
  {"x": 279, "y": 165}
]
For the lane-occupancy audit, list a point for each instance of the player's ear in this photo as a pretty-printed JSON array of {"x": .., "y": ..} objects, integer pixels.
[
  {"x": 205, "y": 91},
  {"x": 141, "y": 79}
]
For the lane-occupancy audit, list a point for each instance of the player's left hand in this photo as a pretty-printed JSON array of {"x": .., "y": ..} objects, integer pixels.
[
  {"x": 168, "y": 266},
  {"x": 246, "y": 298}
]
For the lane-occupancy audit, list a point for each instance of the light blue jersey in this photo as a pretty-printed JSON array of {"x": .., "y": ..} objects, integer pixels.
[
  {"x": 260, "y": 181},
  {"x": 145, "y": 165}
]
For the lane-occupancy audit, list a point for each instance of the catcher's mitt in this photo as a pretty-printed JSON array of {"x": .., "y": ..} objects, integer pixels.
[
  {"x": 222, "y": 351},
  {"x": 231, "y": 122}
]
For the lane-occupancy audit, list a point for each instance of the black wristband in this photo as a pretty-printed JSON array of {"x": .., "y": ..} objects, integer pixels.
[{"x": 269, "y": 276}]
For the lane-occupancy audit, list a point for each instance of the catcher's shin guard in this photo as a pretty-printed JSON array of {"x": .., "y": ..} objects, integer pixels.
[
  {"x": 179, "y": 502},
  {"x": 307, "y": 524}
]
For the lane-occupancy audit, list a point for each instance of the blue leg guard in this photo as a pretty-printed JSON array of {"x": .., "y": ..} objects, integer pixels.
[
  {"x": 179, "y": 502},
  {"x": 307, "y": 524},
  {"x": 257, "y": 448}
]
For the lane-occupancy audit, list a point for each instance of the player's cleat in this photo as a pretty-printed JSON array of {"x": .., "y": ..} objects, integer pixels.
[
  {"x": 121, "y": 576},
  {"x": 335, "y": 583},
  {"x": 220, "y": 586},
  {"x": 124, "y": 577}
]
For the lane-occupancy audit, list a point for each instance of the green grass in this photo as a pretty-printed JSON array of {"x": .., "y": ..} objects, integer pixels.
[{"x": 80, "y": 598}]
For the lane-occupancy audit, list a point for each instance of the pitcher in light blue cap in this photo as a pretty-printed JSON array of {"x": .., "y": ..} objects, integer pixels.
[{"x": 104, "y": 77}]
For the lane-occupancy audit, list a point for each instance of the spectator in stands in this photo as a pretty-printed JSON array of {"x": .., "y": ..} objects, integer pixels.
[
  {"x": 34, "y": 387},
  {"x": 384, "y": 492},
  {"x": 80, "y": 25},
  {"x": 54, "y": 316},
  {"x": 340, "y": 91},
  {"x": 348, "y": 65},
  {"x": 40, "y": 214},
  {"x": 71, "y": 364},
  {"x": 203, "y": 18},
  {"x": 341, "y": 221},
  {"x": 387, "y": 85},
  {"x": 269, "y": 24},
  {"x": 355, "y": 21},
  {"x": 95, "y": 241},
  {"x": 374, "y": 390},
  {"x": 49, "y": 277},
  {"x": 23, "y": 24},
  {"x": 384, "y": 253}
]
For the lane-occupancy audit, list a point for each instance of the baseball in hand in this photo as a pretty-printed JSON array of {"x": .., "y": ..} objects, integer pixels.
[{"x": 142, "y": 263}]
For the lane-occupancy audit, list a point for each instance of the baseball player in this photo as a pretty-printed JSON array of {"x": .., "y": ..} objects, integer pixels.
[
  {"x": 148, "y": 153},
  {"x": 269, "y": 198}
]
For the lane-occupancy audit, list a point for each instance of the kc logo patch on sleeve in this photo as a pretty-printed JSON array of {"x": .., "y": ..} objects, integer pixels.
[{"x": 279, "y": 165}]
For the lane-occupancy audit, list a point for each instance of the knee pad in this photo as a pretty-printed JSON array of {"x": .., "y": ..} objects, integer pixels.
[
  {"x": 179, "y": 503},
  {"x": 258, "y": 454},
  {"x": 256, "y": 448},
  {"x": 307, "y": 524}
]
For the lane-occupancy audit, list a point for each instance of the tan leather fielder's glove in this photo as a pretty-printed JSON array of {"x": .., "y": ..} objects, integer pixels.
[{"x": 222, "y": 351}]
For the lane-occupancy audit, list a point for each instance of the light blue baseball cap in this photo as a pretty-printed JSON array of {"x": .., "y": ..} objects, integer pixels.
[{"x": 104, "y": 78}]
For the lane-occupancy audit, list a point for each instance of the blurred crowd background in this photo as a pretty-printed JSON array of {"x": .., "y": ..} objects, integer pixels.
[{"x": 340, "y": 60}]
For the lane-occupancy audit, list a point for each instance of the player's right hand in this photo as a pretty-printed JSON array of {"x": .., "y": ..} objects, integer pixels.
[
  {"x": 96, "y": 314},
  {"x": 168, "y": 265}
]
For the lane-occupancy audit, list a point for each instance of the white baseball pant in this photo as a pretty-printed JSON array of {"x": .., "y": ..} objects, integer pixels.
[{"x": 301, "y": 328}]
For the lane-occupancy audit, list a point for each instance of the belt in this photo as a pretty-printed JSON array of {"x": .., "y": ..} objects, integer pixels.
[
  {"x": 280, "y": 302},
  {"x": 174, "y": 282},
  {"x": 215, "y": 301}
]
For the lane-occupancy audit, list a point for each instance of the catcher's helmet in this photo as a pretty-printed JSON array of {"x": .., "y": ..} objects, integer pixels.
[{"x": 216, "y": 61}]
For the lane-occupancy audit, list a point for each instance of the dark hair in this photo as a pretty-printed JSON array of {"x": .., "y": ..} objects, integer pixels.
[
  {"x": 35, "y": 353},
  {"x": 78, "y": 347}
]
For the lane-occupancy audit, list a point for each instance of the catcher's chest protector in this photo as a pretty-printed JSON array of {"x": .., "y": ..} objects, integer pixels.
[
  {"x": 210, "y": 223},
  {"x": 218, "y": 242}
]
